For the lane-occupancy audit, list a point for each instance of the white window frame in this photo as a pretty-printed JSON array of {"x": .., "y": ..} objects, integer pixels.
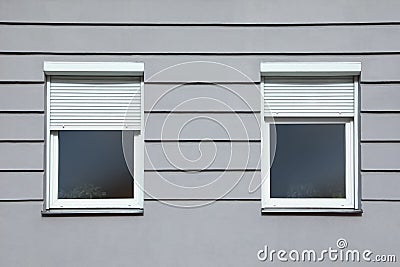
[
  {"x": 120, "y": 205},
  {"x": 352, "y": 201},
  {"x": 348, "y": 202}
]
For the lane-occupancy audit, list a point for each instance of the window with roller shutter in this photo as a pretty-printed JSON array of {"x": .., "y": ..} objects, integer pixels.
[
  {"x": 94, "y": 159},
  {"x": 310, "y": 137}
]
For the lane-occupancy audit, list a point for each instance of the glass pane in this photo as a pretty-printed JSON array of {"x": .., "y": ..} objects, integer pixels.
[
  {"x": 309, "y": 161},
  {"x": 92, "y": 165}
]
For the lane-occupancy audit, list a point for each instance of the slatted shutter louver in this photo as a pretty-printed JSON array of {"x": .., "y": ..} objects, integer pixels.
[
  {"x": 309, "y": 96},
  {"x": 95, "y": 103}
]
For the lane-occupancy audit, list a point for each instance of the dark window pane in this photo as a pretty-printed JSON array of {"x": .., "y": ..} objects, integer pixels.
[
  {"x": 309, "y": 161},
  {"x": 92, "y": 165}
]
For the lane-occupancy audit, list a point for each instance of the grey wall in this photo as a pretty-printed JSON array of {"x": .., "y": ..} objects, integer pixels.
[{"x": 240, "y": 34}]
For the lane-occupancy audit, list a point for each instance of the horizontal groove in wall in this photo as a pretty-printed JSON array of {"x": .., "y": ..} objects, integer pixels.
[
  {"x": 194, "y": 199},
  {"x": 205, "y": 141},
  {"x": 208, "y": 170},
  {"x": 252, "y": 200},
  {"x": 22, "y": 82},
  {"x": 21, "y": 112},
  {"x": 380, "y": 171},
  {"x": 22, "y": 141},
  {"x": 380, "y": 200},
  {"x": 21, "y": 200},
  {"x": 215, "y": 170},
  {"x": 243, "y": 141},
  {"x": 381, "y": 112},
  {"x": 192, "y": 141},
  {"x": 200, "y": 112},
  {"x": 21, "y": 170},
  {"x": 214, "y": 82},
  {"x": 392, "y": 172},
  {"x": 203, "y": 53},
  {"x": 205, "y": 199},
  {"x": 380, "y": 82},
  {"x": 202, "y": 83},
  {"x": 194, "y": 83},
  {"x": 258, "y": 170},
  {"x": 200, "y": 24},
  {"x": 379, "y": 141},
  {"x": 204, "y": 170},
  {"x": 196, "y": 141}
]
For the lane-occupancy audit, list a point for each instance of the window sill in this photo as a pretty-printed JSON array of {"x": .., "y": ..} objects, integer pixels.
[
  {"x": 92, "y": 212},
  {"x": 310, "y": 211}
]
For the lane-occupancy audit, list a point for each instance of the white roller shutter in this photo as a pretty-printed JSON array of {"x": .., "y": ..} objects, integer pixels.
[
  {"x": 95, "y": 103},
  {"x": 306, "y": 96},
  {"x": 94, "y": 95},
  {"x": 310, "y": 89}
]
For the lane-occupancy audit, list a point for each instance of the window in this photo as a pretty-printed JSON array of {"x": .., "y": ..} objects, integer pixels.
[
  {"x": 310, "y": 137},
  {"x": 94, "y": 137}
]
